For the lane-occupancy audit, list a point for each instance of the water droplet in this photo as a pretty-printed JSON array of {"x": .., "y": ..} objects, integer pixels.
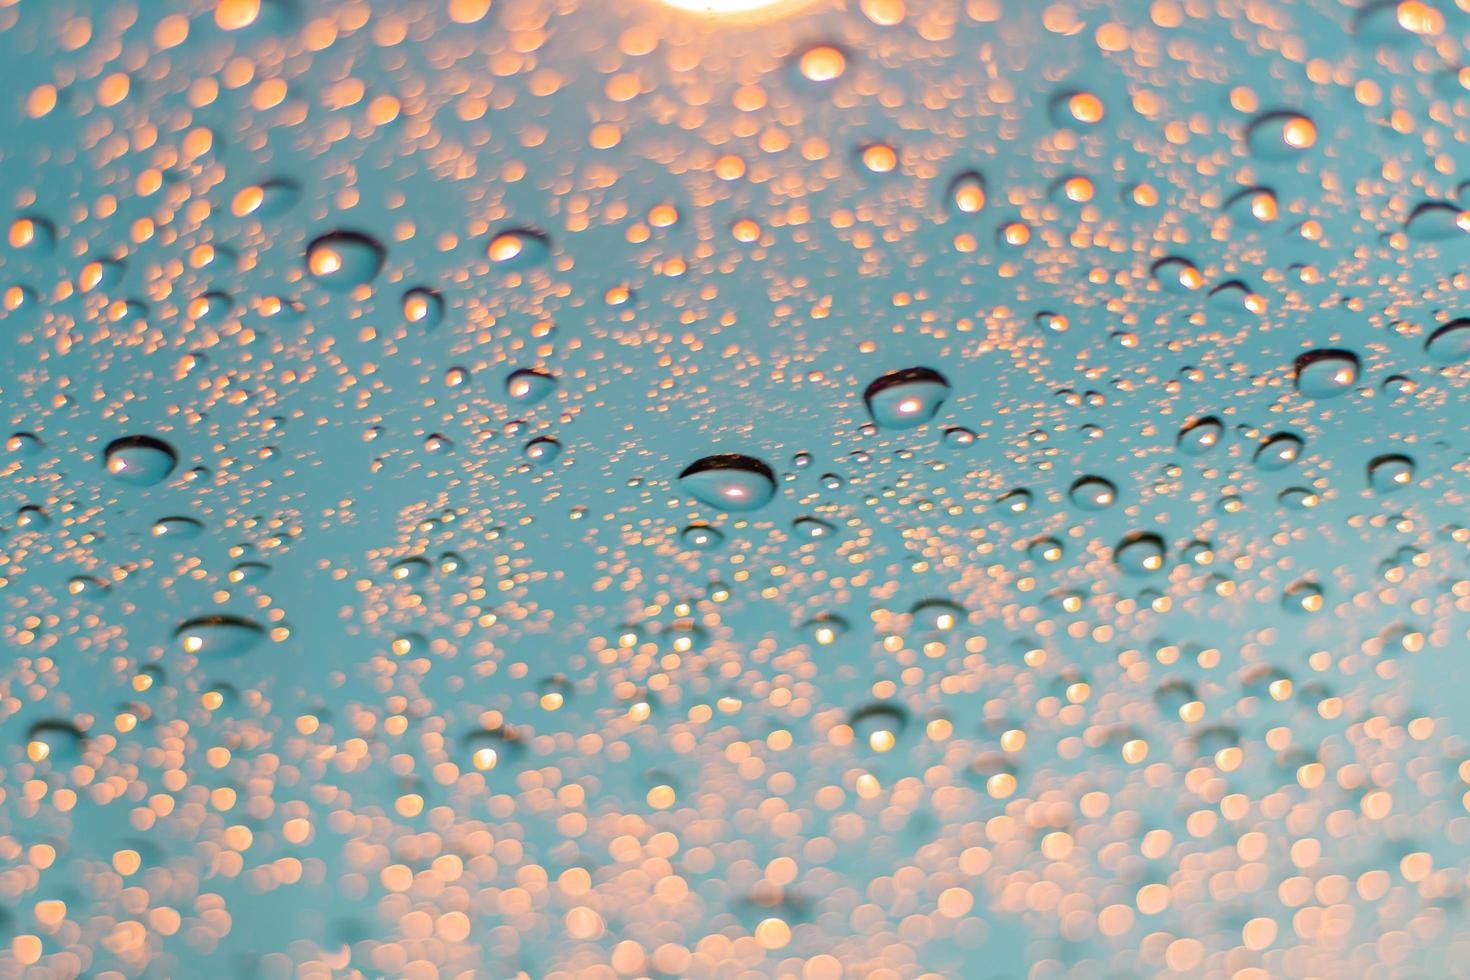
[
  {"x": 1438, "y": 222},
  {"x": 410, "y": 570},
  {"x": 1302, "y": 596},
  {"x": 825, "y": 628},
  {"x": 1077, "y": 109},
  {"x": 1278, "y": 451},
  {"x": 1093, "y": 493},
  {"x": 958, "y": 436},
  {"x": 1279, "y": 136},
  {"x": 877, "y": 158},
  {"x": 1016, "y": 502},
  {"x": 1450, "y": 344},
  {"x": 701, "y": 537},
  {"x": 58, "y": 742},
  {"x": 101, "y": 273},
  {"x": 1177, "y": 275},
  {"x": 730, "y": 482},
  {"x": 528, "y": 387},
  {"x": 1140, "y": 553},
  {"x": 139, "y": 460},
  {"x": 32, "y": 232},
  {"x": 342, "y": 260},
  {"x": 87, "y": 585},
  {"x": 424, "y": 308},
  {"x": 967, "y": 193},
  {"x": 1253, "y": 205},
  {"x": 543, "y": 450},
  {"x": 518, "y": 248},
  {"x": 32, "y": 518},
  {"x": 1326, "y": 373},
  {"x": 409, "y": 645},
  {"x": 822, "y": 63},
  {"x": 268, "y": 199},
  {"x": 1390, "y": 472},
  {"x": 219, "y": 636},
  {"x": 1298, "y": 498},
  {"x": 491, "y": 748},
  {"x": 907, "y": 398},
  {"x": 879, "y": 725},
  {"x": 936, "y": 615},
  {"x": 1200, "y": 436},
  {"x": 248, "y": 572},
  {"x": 1046, "y": 549},
  {"x": 23, "y": 444},
  {"x": 812, "y": 528},
  {"x": 182, "y": 528}
]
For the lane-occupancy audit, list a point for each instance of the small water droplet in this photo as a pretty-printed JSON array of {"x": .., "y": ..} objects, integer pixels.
[{"x": 701, "y": 537}]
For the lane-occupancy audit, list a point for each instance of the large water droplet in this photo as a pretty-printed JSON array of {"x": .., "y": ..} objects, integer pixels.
[
  {"x": 424, "y": 308},
  {"x": 1278, "y": 451},
  {"x": 342, "y": 260},
  {"x": 139, "y": 460},
  {"x": 1093, "y": 493},
  {"x": 1390, "y": 472},
  {"x": 904, "y": 399},
  {"x": 518, "y": 248},
  {"x": 1450, "y": 344},
  {"x": 1200, "y": 436},
  {"x": 1438, "y": 222},
  {"x": 730, "y": 482},
  {"x": 936, "y": 615},
  {"x": 528, "y": 387},
  {"x": 1140, "y": 553},
  {"x": 1280, "y": 136},
  {"x": 219, "y": 636},
  {"x": 1326, "y": 373},
  {"x": 182, "y": 528}
]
